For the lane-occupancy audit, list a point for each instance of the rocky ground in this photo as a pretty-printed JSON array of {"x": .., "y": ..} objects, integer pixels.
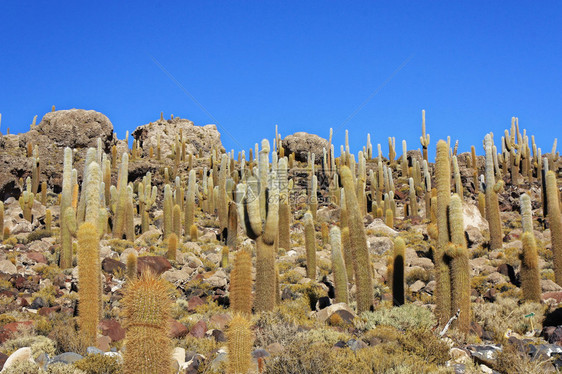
[{"x": 307, "y": 332}]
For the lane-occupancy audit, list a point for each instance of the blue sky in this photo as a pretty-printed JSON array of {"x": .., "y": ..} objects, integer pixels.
[{"x": 306, "y": 66}]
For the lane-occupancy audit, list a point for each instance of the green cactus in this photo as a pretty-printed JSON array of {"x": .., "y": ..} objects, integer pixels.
[
  {"x": 555, "y": 223},
  {"x": 89, "y": 281},
  {"x": 147, "y": 309},
  {"x": 460, "y": 268},
  {"x": 398, "y": 272},
  {"x": 172, "y": 246},
  {"x": 442, "y": 274},
  {"x": 168, "y": 211},
  {"x": 189, "y": 205},
  {"x": 359, "y": 250},
  {"x": 338, "y": 266},
  {"x": 68, "y": 230},
  {"x": 310, "y": 244},
  {"x": 131, "y": 266},
  {"x": 241, "y": 283},
  {"x": 492, "y": 204},
  {"x": 240, "y": 341}
]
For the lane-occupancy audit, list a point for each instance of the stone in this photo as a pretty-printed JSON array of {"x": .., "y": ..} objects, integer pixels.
[
  {"x": 217, "y": 280},
  {"x": 218, "y": 335},
  {"x": 275, "y": 348},
  {"x": 417, "y": 286},
  {"x": 379, "y": 227},
  {"x": 175, "y": 275},
  {"x": 475, "y": 237},
  {"x": 484, "y": 354},
  {"x": 301, "y": 143},
  {"x": 549, "y": 286},
  {"x": 472, "y": 217},
  {"x": 199, "y": 329},
  {"x": 220, "y": 320},
  {"x": 22, "y": 354},
  {"x": 148, "y": 238},
  {"x": 94, "y": 351},
  {"x": 556, "y": 295},
  {"x": 178, "y": 354},
  {"x": 422, "y": 262},
  {"x": 103, "y": 343},
  {"x": 197, "y": 138},
  {"x": 36, "y": 257},
  {"x": 193, "y": 303},
  {"x": 177, "y": 329},
  {"x": 7, "y": 267},
  {"x": 111, "y": 266},
  {"x": 113, "y": 329},
  {"x": 46, "y": 311},
  {"x": 38, "y": 303},
  {"x": 156, "y": 264},
  {"x": 342, "y": 309},
  {"x": 459, "y": 355},
  {"x": 495, "y": 278},
  {"x": 66, "y": 358},
  {"x": 379, "y": 245},
  {"x": 327, "y": 214},
  {"x": 76, "y": 128}
]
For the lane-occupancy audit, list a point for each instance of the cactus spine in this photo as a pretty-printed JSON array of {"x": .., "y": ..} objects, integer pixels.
[
  {"x": 147, "y": 308},
  {"x": 241, "y": 283},
  {"x": 2, "y": 221},
  {"x": 168, "y": 207},
  {"x": 460, "y": 269},
  {"x": 122, "y": 196},
  {"x": 240, "y": 341},
  {"x": 359, "y": 249},
  {"x": 555, "y": 223},
  {"x": 492, "y": 205},
  {"x": 89, "y": 280},
  {"x": 398, "y": 272},
  {"x": 442, "y": 275},
  {"x": 424, "y": 139},
  {"x": 310, "y": 244},
  {"x": 172, "y": 246},
  {"x": 189, "y": 205}
]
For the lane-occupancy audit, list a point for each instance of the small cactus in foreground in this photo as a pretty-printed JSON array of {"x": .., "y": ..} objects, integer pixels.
[
  {"x": 240, "y": 341},
  {"x": 147, "y": 308}
]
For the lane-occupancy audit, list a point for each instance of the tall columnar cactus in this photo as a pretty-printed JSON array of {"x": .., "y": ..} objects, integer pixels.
[
  {"x": 240, "y": 340},
  {"x": 413, "y": 199},
  {"x": 359, "y": 248},
  {"x": 89, "y": 278},
  {"x": 310, "y": 244},
  {"x": 1, "y": 220},
  {"x": 345, "y": 239},
  {"x": 81, "y": 210},
  {"x": 554, "y": 221},
  {"x": 338, "y": 266},
  {"x": 530, "y": 277},
  {"x": 232, "y": 230},
  {"x": 131, "y": 266},
  {"x": 176, "y": 221},
  {"x": 398, "y": 272},
  {"x": 130, "y": 216},
  {"x": 172, "y": 246},
  {"x": 147, "y": 309},
  {"x": 457, "y": 177},
  {"x": 492, "y": 204},
  {"x": 189, "y": 205},
  {"x": 122, "y": 196},
  {"x": 264, "y": 235},
  {"x": 442, "y": 275},
  {"x": 222, "y": 204},
  {"x": 168, "y": 208},
  {"x": 26, "y": 201},
  {"x": 424, "y": 139},
  {"x": 68, "y": 230},
  {"x": 241, "y": 283},
  {"x": 460, "y": 269},
  {"x": 284, "y": 208}
]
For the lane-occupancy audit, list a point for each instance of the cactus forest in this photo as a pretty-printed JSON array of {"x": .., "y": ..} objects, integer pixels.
[{"x": 165, "y": 253}]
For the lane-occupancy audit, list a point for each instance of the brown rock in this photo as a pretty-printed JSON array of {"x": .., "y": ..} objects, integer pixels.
[
  {"x": 177, "y": 329},
  {"x": 193, "y": 303},
  {"x": 45, "y": 311},
  {"x": 37, "y": 257},
  {"x": 113, "y": 329},
  {"x": 103, "y": 343},
  {"x": 220, "y": 321},
  {"x": 156, "y": 264},
  {"x": 199, "y": 329},
  {"x": 12, "y": 327},
  {"x": 110, "y": 265}
]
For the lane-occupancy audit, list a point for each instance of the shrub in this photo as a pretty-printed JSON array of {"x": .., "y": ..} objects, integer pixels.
[{"x": 404, "y": 317}]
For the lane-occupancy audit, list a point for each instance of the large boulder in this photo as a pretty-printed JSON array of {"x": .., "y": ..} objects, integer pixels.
[
  {"x": 300, "y": 143},
  {"x": 198, "y": 138},
  {"x": 76, "y": 128}
]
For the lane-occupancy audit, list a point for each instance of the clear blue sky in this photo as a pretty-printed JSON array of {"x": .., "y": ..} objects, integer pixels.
[{"x": 306, "y": 66}]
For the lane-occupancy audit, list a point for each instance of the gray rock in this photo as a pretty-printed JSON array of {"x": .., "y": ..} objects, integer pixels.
[
  {"x": 417, "y": 286},
  {"x": 7, "y": 267},
  {"x": 379, "y": 227},
  {"x": 379, "y": 245},
  {"x": 94, "y": 351},
  {"x": 342, "y": 309},
  {"x": 301, "y": 143},
  {"x": 76, "y": 128},
  {"x": 66, "y": 358},
  {"x": 197, "y": 138}
]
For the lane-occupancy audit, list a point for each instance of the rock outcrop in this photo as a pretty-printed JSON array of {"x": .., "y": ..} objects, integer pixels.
[
  {"x": 300, "y": 143},
  {"x": 199, "y": 139}
]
